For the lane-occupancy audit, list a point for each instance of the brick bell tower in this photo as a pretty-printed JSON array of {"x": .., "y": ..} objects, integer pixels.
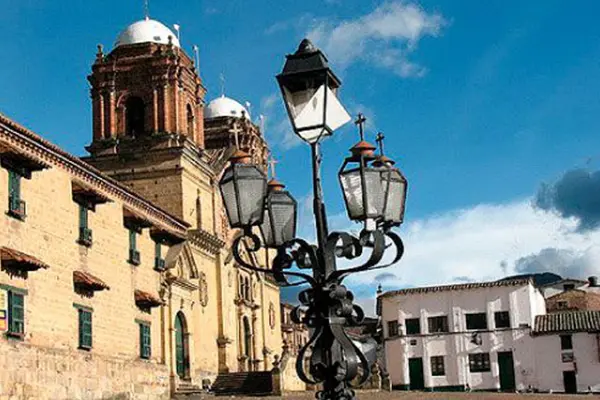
[{"x": 148, "y": 119}]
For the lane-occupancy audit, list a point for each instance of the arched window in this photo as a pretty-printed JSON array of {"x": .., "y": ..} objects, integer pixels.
[
  {"x": 190, "y": 121},
  {"x": 135, "y": 116}
]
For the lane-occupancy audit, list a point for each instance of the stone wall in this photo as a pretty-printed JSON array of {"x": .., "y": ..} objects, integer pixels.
[{"x": 31, "y": 372}]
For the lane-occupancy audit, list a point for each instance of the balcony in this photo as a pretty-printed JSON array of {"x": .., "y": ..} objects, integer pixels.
[
  {"x": 85, "y": 237},
  {"x": 16, "y": 208}
]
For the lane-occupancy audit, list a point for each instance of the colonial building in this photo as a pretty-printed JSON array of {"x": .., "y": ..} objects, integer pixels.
[
  {"x": 117, "y": 277},
  {"x": 489, "y": 336}
]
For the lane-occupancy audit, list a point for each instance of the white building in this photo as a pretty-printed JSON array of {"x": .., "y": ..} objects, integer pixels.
[{"x": 480, "y": 336}]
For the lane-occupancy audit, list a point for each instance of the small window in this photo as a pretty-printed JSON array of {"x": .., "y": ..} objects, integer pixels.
[
  {"x": 16, "y": 206},
  {"x": 566, "y": 342},
  {"x": 437, "y": 366},
  {"x": 16, "y": 314},
  {"x": 85, "y": 329},
  {"x": 438, "y": 324},
  {"x": 562, "y": 305},
  {"x": 568, "y": 286},
  {"x": 145, "y": 342},
  {"x": 85, "y": 233},
  {"x": 134, "y": 254},
  {"x": 413, "y": 326},
  {"x": 392, "y": 328},
  {"x": 479, "y": 362},
  {"x": 413, "y": 342},
  {"x": 476, "y": 321},
  {"x": 502, "y": 319},
  {"x": 567, "y": 357},
  {"x": 159, "y": 262}
]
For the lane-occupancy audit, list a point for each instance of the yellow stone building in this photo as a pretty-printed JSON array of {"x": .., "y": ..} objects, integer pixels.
[{"x": 117, "y": 277}]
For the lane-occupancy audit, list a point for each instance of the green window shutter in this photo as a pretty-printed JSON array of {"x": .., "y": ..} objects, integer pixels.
[
  {"x": 85, "y": 329},
  {"x": 14, "y": 185},
  {"x": 157, "y": 250},
  {"x": 83, "y": 216},
  {"x": 145, "y": 343},
  {"x": 16, "y": 316},
  {"x": 132, "y": 240}
]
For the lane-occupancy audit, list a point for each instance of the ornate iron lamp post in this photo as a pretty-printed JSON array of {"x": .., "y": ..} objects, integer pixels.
[{"x": 375, "y": 193}]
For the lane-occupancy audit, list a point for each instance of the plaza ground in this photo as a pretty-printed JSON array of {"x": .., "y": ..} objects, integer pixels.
[{"x": 370, "y": 395}]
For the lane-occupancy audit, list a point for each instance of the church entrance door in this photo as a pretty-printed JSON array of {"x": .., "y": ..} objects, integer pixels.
[{"x": 182, "y": 351}]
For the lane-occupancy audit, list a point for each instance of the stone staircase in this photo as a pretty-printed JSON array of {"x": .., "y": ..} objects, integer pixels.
[
  {"x": 188, "y": 391},
  {"x": 246, "y": 383}
]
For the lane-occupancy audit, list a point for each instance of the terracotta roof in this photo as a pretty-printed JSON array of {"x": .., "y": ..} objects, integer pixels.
[
  {"x": 17, "y": 259},
  {"x": 145, "y": 299},
  {"x": 88, "y": 281},
  {"x": 569, "y": 321},
  {"x": 462, "y": 286}
]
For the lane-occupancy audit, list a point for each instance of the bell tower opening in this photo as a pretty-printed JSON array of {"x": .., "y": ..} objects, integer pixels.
[
  {"x": 135, "y": 116},
  {"x": 190, "y": 121}
]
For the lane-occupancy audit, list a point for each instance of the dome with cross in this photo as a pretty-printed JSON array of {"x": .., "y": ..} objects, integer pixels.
[
  {"x": 225, "y": 107},
  {"x": 145, "y": 31}
]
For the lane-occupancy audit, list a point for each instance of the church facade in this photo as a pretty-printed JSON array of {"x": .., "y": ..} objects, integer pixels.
[{"x": 117, "y": 277}]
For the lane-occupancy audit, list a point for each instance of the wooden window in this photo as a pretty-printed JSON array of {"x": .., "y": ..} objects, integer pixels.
[
  {"x": 16, "y": 206},
  {"x": 476, "y": 321},
  {"x": 479, "y": 362},
  {"x": 392, "y": 328},
  {"x": 85, "y": 328},
  {"x": 85, "y": 233},
  {"x": 145, "y": 341},
  {"x": 502, "y": 319},
  {"x": 134, "y": 254},
  {"x": 566, "y": 342},
  {"x": 413, "y": 326},
  {"x": 438, "y": 324},
  {"x": 16, "y": 314},
  {"x": 437, "y": 366},
  {"x": 159, "y": 263}
]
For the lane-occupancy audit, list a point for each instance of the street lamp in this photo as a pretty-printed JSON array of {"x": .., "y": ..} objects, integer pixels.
[{"x": 374, "y": 192}]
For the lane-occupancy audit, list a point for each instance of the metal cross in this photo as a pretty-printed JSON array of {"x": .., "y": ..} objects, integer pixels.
[
  {"x": 360, "y": 121},
  {"x": 379, "y": 141},
  {"x": 272, "y": 163},
  {"x": 222, "y": 79},
  {"x": 146, "y": 10},
  {"x": 236, "y": 131}
]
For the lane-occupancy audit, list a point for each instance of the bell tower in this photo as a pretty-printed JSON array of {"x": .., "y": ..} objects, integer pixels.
[{"x": 146, "y": 87}]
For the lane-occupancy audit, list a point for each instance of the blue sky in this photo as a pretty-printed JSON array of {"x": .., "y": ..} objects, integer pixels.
[{"x": 481, "y": 102}]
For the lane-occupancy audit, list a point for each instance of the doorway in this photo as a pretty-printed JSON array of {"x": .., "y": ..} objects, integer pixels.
[
  {"x": 182, "y": 351},
  {"x": 570, "y": 381},
  {"x": 247, "y": 344},
  {"x": 415, "y": 373},
  {"x": 507, "y": 371}
]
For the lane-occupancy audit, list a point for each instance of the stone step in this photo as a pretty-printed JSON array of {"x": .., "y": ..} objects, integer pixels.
[{"x": 248, "y": 383}]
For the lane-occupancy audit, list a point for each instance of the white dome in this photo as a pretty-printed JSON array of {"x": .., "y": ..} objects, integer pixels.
[
  {"x": 225, "y": 107},
  {"x": 144, "y": 31}
]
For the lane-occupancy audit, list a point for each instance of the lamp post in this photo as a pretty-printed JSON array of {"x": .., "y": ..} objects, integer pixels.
[{"x": 374, "y": 192}]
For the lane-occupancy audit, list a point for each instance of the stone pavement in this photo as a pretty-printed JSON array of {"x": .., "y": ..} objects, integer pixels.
[{"x": 371, "y": 395}]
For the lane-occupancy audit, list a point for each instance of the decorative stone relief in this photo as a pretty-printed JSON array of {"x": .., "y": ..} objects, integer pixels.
[
  {"x": 272, "y": 315},
  {"x": 203, "y": 290}
]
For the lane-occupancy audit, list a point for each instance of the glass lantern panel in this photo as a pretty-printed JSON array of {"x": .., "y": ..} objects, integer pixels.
[
  {"x": 352, "y": 189},
  {"x": 266, "y": 229},
  {"x": 251, "y": 189},
  {"x": 229, "y": 197},
  {"x": 396, "y": 194},
  {"x": 283, "y": 212},
  {"x": 374, "y": 190}
]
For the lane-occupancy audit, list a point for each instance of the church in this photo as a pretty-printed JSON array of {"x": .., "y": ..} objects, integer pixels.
[{"x": 117, "y": 279}]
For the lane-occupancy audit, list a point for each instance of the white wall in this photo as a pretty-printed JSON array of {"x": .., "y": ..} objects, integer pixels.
[{"x": 549, "y": 365}]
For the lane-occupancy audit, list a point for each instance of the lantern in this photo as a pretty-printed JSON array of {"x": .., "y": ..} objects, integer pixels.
[
  {"x": 394, "y": 186},
  {"x": 309, "y": 89},
  {"x": 243, "y": 188},
  {"x": 279, "y": 222}
]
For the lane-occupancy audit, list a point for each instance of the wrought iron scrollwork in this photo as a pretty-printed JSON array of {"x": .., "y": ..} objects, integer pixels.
[{"x": 326, "y": 306}]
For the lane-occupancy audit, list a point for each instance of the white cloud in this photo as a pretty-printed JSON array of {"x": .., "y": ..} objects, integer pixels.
[
  {"x": 487, "y": 242},
  {"x": 386, "y": 37}
]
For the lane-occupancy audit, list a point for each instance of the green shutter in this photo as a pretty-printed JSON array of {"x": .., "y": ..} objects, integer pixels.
[
  {"x": 85, "y": 329},
  {"x": 157, "y": 250},
  {"x": 16, "y": 316},
  {"x": 132, "y": 240},
  {"x": 145, "y": 344},
  {"x": 14, "y": 185},
  {"x": 83, "y": 216}
]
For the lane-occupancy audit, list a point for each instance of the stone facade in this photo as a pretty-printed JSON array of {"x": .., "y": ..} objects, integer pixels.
[
  {"x": 573, "y": 299},
  {"x": 149, "y": 172}
]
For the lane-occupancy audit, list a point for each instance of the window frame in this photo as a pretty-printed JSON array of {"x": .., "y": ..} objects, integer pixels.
[
  {"x": 145, "y": 340},
  {"x": 479, "y": 362},
  {"x": 566, "y": 342},
  {"x": 473, "y": 321},
  {"x": 15, "y": 198},
  {"x": 85, "y": 233},
  {"x": 158, "y": 256},
  {"x": 19, "y": 332},
  {"x": 134, "y": 254},
  {"x": 85, "y": 338},
  {"x": 392, "y": 327},
  {"x": 432, "y": 320},
  {"x": 438, "y": 367},
  {"x": 412, "y": 322},
  {"x": 498, "y": 316}
]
